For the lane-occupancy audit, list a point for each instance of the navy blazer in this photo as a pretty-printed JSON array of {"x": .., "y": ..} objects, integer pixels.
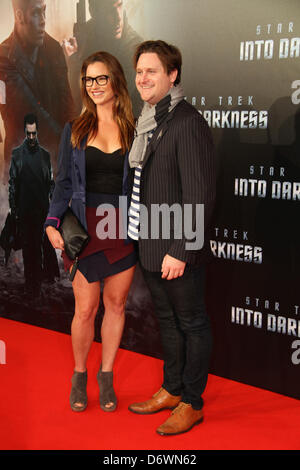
[{"x": 70, "y": 184}]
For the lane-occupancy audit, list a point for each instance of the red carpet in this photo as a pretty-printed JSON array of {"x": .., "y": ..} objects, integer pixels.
[{"x": 35, "y": 413}]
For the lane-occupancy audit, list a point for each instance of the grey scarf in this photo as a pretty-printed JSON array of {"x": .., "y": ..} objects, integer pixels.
[{"x": 150, "y": 118}]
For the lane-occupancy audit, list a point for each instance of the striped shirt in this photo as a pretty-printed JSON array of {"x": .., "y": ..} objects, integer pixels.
[{"x": 134, "y": 209}]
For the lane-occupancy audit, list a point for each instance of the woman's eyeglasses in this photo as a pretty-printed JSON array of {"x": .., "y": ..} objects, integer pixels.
[{"x": 101, "y": 80}]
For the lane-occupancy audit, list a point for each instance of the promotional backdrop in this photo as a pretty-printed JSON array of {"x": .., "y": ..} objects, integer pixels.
[{"x": 241, "y": 71}]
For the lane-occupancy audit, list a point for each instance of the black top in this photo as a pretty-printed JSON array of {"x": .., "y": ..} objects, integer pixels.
[{"x": 104, "y": 171}]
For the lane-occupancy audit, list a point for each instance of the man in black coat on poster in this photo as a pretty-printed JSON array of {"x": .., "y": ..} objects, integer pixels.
[
  {"x": 172, "y": 161},
  {"x": 34, "y": 79},
  {"x": 30, "y": 186}
]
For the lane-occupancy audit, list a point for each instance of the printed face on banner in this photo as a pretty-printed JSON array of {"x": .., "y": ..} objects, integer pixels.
[
  {"x": 116, "y": 18},
  {"x": 110, "y": 13},
  {"x": 31, "y": 134},
  {"x": 99, "y": 94},
  {"x": 32, "y": 21},
  {"x": 152, "y": 80}
]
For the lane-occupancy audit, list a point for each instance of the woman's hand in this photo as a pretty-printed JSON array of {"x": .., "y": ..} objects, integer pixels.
[{"x": 55, "y": 238}]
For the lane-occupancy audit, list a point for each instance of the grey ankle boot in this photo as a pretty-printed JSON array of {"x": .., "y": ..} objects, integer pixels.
[
  {"x": 107, "y": 393},
  {"x": 78, "y": 391}
]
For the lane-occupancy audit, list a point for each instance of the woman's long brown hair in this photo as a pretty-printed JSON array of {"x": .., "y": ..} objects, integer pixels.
[{"x": 87, "y": 123}]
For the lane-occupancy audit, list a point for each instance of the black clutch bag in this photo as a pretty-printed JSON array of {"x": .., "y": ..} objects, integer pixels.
[{"x": 75, "y": 238}]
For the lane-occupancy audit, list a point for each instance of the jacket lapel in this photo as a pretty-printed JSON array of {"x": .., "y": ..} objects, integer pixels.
[{"x": 79, "y": 163}]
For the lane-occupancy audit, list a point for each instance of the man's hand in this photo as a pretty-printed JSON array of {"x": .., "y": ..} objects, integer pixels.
[
  {"x": 172, "y": 268},
  {"x": 55, "y": 238},
  {"x": 70, "y": 46}
]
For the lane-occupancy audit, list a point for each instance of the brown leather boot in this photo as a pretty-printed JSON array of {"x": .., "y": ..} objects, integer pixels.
[
  {"x": 161, "y": 400},
  {"x": 182, "y": 419}
]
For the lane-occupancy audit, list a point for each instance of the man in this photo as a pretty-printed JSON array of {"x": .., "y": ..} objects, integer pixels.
[
  {"x": 33, "y": 73},
  {"x": 107, "y": 30},
  {"x": 173, "y": 163},
  {"x": 30, "y": 185}
]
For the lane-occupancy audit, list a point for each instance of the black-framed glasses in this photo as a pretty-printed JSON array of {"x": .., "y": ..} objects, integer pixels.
[{"x": 101, "y": 80}]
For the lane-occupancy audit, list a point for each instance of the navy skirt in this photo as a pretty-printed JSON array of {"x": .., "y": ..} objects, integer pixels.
[{"x": 96, "y": 266}]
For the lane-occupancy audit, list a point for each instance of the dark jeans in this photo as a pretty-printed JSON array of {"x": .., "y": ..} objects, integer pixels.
[{"x": 185, "y": 332}]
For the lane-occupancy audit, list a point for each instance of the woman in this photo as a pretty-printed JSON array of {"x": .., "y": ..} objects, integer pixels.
[{"x": 93, "y": 150}]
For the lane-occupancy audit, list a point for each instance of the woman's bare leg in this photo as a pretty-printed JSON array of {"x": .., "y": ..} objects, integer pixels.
[
  {"x": 115, "y": 293},
  {"x": 87, "y": 297}
]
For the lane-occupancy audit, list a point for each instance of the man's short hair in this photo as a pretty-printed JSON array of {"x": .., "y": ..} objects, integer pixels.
[
  {"x": 169, "y": 55},
  {"x": 31, "y": 119}
]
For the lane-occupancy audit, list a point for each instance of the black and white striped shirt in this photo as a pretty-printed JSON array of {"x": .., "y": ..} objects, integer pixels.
[{"x": 134, "y": 209}]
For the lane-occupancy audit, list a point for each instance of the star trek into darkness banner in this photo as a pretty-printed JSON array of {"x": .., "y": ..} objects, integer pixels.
[{"x": 241, "y": 71}]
